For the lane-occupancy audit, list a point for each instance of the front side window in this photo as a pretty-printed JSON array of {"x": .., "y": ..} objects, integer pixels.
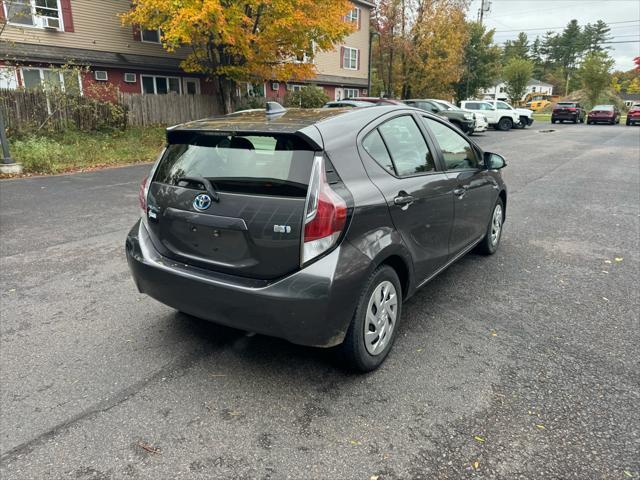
[
  {"x": 350, "y": 58},
  {"x": 457, "y": 152},
  {"x": 406, "y": 146},
  {"x": 503, "y": 106}
]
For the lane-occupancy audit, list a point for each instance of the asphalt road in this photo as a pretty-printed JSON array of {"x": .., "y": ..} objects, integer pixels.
[{"x": 522, "y": 365}]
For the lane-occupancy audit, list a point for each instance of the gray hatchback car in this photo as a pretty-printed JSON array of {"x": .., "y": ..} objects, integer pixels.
[{"x": 313, "y": 225}]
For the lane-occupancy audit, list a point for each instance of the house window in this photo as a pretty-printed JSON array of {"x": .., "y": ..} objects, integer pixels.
[
  {"x": 191, "y": 86},
  {"x": 159, "y": 85},
  {"x": 501, "y": 89},
  {"x": 351, "y": 93},
  {"x": 8, "y": 78},
  {"x": 48, "y": 79},
  {"x": 354, "y": 15},
  {"x": 350, "y": 58},
  {"x": 34, "y": 13},
  {"x": 151, "y": 36}
]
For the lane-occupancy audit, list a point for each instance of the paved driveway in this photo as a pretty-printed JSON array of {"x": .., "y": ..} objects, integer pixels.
[{"x": 522, "y": 365}]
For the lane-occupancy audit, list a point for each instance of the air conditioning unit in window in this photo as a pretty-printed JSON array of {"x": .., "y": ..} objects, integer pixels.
[
  {"x": 289, "y": 87},
  {"x": 101, "y": 75},
  {"x": 275, "y": 86},
  {"x": 51, "y": 24},
  {"x": 129, "y": 78}
]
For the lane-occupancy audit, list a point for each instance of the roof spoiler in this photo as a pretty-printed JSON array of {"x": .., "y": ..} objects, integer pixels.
[{"x": 274, "y": 108}]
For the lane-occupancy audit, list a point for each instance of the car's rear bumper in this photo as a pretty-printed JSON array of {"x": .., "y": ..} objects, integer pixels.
[
  {"x": 564, "y": 116},
  {"x": 600, "y": 119},
  {"x": 312, "y": 306}
]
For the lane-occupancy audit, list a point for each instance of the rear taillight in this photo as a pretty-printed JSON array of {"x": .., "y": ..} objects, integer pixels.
[
  {"x": 142, "y": 195},
  {"x": 572, "y": 109},
  {"x": 325, "y": 214}
]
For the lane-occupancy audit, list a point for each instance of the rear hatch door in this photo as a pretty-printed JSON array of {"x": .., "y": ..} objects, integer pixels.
[{"x": 231, "y": 203}]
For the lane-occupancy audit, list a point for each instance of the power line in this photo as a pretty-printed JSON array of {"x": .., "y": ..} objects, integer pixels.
[{"x": 557, "y": 28}]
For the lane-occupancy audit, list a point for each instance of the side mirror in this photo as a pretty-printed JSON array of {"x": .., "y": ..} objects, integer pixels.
[{"x": 493, "y": 161}]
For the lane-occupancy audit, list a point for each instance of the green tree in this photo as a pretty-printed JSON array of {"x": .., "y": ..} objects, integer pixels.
[
  {"x": 518, "y": 48},
  {"x": 481, "y": 60},
  {"x": 595, "y": 35},
  {"x": 595, "y": 74},
  {"x": 516, "y": 75}
]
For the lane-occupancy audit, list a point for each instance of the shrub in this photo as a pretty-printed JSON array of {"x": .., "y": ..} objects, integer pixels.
[
  {"x": 249, "y": 103},
  {"x": 37, "y": 154},
  {"x": 310, "y": 96}
]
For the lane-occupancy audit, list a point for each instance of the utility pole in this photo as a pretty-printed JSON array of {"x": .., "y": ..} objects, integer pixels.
[{"x": 485, "y": 6}]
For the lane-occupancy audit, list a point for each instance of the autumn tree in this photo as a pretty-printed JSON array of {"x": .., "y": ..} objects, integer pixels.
[
  {"x": 481, "y": 62},
  {"x": 435, "y": 59},
  {"x": 595, "y": 74},
  {"x": 516, "y": 75},
  {"x": 233, "y": 41}
]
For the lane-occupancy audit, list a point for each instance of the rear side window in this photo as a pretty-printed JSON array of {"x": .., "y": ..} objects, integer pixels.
[
  {"x": 266, "y": 165},
  {"x": 406, "y": 146},
  {"x": 472, "y": 106},
  {"x": 375, "y": 147}
]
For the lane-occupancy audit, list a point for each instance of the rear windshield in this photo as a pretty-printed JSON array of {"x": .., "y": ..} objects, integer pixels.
[
  {"x": 608, "y": 108},
  {"x": 255, "y": 164},
  {"x": 565, "y": 104}
]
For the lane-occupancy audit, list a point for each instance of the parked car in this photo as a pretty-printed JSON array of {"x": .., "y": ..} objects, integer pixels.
[
  {"x": 604, "y": 114},
  {"x": 499, "y": 119},
  {"x": 313, "y": 225},
  {"x": 377, "y": 101},
  {"x": 465, "y": 121},
  {"x": 347, "y": 104},
  {"x": 633, "y": 115},
  {"x": 571, "y": 111},
  {"x": 525, "y": 116},
  {"x": 481, "y": 121}
]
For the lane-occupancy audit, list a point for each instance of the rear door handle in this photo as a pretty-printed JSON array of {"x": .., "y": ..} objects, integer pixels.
[{"x": 404, "y": 200}]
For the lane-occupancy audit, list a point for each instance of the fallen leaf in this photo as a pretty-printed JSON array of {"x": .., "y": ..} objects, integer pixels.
[
  {"x": 374, "y": 477},
  {"x": 149, "y": 448},
  {"x": 493, "y": 333},
  {"x": 627, "y": 473},
  {"x": 476, "y": 465},
  {"x": 618, "y": 259},
  {"x": 607, "y": 261},
  {"x": 479, "y": 438},
  {"x": 12, "y": 290},
  {"x": 605, "y": 299},
  {"x": 541, "y": 427},
  {"x": 419, "y": 350},
  {"x": 355, "y": 442}
]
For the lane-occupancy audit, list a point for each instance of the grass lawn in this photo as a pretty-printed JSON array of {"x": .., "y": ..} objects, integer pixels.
[{"x": 72, "y": 150}]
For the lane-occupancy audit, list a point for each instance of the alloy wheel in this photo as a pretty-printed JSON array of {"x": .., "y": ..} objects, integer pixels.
[{"x": 496, "y": 225}]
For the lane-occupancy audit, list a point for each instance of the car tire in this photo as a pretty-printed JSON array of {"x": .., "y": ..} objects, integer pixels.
[
  {"x": 524, "y": 122},
  {"x": 628, "y": 122},
  {"x": 582, "y": 120},
  {"x": 553, "y": 121},
  {"x": 491, "y": 241},
  {"x": 505, "y": 124},
  {"x": 575, "y": 120},
  {"x": 359, "y": 353}
]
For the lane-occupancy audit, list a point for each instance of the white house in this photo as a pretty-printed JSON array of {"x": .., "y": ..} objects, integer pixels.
[{"x": 499, "y": 90}]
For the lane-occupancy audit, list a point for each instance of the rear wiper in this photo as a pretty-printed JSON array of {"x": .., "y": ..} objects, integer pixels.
[{"x": 208, "y": 186}]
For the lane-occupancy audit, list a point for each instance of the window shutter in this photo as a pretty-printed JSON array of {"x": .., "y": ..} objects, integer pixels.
[
  {"x": 359, "y": 17},
  {"x": 358, "y": 59},
  {"x": 341, "y": 57},
  {"x": 67, "y": 17},
  {"x": 137, "y": 33}
]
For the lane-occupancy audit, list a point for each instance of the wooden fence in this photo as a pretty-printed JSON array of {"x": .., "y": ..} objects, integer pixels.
[
  {"x": 31, "y": 111},
  {"x": 168, "y": 109}
]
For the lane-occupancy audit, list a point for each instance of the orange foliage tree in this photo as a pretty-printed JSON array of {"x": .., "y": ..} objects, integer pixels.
[{"x": 233, "y": 41}]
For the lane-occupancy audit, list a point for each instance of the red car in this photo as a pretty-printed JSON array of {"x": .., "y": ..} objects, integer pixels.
[
  {"x": 633, "y": 116},
  {"x": 604, "y": 114}
]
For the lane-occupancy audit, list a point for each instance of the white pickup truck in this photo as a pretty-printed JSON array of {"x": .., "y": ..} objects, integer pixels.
[
  {"x": 500, "y": 119},
  {"x": 525, "y": 115}
]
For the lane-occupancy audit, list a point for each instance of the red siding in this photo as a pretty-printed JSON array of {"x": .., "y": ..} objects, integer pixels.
[
  {"x": 67, "y": 16},
  {"x": 1, "y": 10}
]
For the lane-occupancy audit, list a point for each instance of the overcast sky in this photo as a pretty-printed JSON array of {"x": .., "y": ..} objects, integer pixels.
[{"x": 520, "y": 15}]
